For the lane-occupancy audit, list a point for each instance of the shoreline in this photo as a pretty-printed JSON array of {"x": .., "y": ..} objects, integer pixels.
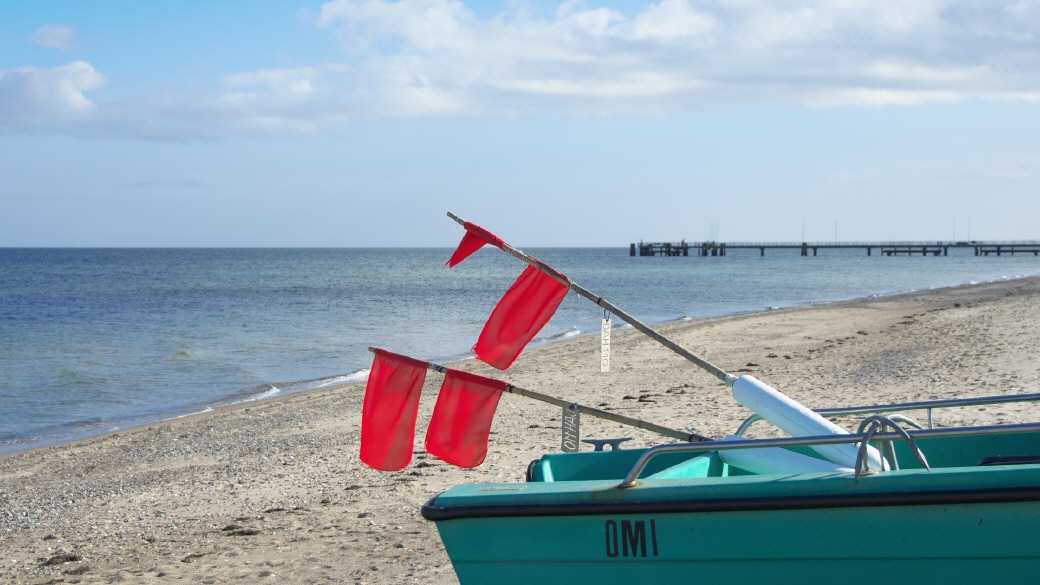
[
  {"x": 137, "y": 421},
  {"x": 274, "y": 488}
]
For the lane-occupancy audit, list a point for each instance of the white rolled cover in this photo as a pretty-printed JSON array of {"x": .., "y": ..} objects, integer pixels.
[
  {"x": 798, "y": 421},
  {"x": 773, "y": 460}
]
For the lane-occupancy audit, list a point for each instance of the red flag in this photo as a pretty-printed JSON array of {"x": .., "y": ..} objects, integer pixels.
[
  {"x": 461, "y": 420},
  {"x": 526, "y": 307},
  {"x": 474, "y": 239},
  {"x": 391, "y": 406}
]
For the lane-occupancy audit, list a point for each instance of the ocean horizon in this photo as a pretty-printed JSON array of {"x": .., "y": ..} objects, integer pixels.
[{"x": 93, "y": 340}]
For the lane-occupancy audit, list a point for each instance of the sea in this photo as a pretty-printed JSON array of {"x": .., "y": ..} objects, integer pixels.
[{"x": 97, "y": 340}]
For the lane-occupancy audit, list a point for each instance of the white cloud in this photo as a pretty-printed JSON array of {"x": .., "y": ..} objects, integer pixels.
[
  {"x": 680, "y": 54},
  {"x": 422, "y": 58},
  {"x": 49, "y": 98},
  {"x": 55, "y": 36},
  {"x": 424, "y": 24}
]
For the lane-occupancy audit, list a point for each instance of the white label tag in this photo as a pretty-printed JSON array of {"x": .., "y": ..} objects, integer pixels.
[
  {"x": 604, "y": 347},
  {"x": 571, "y": 429}
]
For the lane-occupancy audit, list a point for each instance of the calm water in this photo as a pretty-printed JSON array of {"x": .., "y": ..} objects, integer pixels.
[{"x": 93, "y": 340}]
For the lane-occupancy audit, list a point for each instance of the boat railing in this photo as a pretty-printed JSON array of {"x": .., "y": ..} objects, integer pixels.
[
  {"x": 883, "y": 408},
  {"x": 631, "y": 479}
]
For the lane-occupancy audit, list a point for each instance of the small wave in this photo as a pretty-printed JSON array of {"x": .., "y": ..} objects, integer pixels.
[
  {"x": 358, "y": 376},
  {"x": 265, "y": 394},
  {"x": 686, "y": 318},
  {"x": 572, "y": 332},
  {"x": 771, "y": 308},
  {"x": 973, "y": 282},
  {"x": 272, "y": 391},
  {"x": 207, "y": 409}
]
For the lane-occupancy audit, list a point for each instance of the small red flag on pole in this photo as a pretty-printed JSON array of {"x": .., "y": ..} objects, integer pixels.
[
  {"x": 390, "y": 409},
  {"x": 526, "y": 307},
  {"x": 473, "y": 240},
  {"x": 461, "y": 422}
]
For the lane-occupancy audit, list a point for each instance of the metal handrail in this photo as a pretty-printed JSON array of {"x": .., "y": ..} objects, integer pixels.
[
  {"x": 860, "y": 244},
  {"x": 926, "y": 405},
  {"x": 633, "y": 474},
  {"x": 877, "y": 423}
]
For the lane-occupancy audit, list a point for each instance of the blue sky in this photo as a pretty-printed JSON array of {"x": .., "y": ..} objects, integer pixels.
[{"x": 360, "y": 122}]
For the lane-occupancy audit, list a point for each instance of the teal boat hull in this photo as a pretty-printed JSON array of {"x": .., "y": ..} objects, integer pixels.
[{"x": 957, "y": 523}]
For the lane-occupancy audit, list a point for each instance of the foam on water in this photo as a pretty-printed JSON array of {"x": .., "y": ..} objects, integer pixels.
[
  {"x": 204, "y": 410},
  {"x": 358, "y": 376},
  {"x": 571, "y": 332},
  {"x": 269, "y": 393}
]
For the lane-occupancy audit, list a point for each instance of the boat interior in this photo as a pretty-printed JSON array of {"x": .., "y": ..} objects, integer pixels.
[{"x": 932, "y": 448}]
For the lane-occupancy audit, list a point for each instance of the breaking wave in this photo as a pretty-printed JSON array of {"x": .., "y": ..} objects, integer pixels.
[{"x": 358, "y": 376}]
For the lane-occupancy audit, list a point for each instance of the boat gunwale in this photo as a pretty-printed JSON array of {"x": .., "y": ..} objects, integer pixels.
[
  {"x": 631, "y": 479},
  {"x": 430, "y": 511}
]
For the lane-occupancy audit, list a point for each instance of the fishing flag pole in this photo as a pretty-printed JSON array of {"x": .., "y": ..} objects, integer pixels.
[
  {"x": 612, "y": 308},
  {"x": 594, "y": 412},
  {"x": 769, "y": 403}
]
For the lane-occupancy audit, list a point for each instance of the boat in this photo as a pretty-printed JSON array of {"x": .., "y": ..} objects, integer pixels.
[
  {"x": 895, "y": 500},
  {"x": 966, "y": 512}
]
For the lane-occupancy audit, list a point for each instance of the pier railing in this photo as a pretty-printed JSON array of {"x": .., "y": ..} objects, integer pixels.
[
  {"x": 915, "y": 243},
  {"x": 890, "y": 248}
]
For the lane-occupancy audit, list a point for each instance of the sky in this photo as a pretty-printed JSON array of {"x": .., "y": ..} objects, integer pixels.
[{"x": 359, "y": 123}]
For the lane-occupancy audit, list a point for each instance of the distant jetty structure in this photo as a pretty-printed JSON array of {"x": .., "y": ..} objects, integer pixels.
[{"x": 684, "y": 248}]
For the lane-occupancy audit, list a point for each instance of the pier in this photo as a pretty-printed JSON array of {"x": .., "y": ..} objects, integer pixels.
[{"x": 940, "y": 248}]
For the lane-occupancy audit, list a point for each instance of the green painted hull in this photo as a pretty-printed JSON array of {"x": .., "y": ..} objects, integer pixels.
[
  {"x": 959, "y": 523},
  {"x": 933, "y": 544}
]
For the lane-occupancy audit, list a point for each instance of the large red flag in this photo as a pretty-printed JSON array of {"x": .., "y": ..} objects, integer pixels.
[
  {"x": 461, "y": 420},
  {"x": 390, "y": 409},
  {"x": 526, "y": 307},
  {"x": 473, "y": 240}
]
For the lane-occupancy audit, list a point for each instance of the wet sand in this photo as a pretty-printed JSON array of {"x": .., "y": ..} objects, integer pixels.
[{"x": 274, "y": 491}]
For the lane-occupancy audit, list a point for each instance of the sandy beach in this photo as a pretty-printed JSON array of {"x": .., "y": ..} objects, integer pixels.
[{"x": 274, "y": 490}]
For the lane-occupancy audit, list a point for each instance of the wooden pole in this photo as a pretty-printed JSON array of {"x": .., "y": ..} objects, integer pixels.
[
  {"x": 604, "y": 303},
  {"x": 595, "y": 412}
]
